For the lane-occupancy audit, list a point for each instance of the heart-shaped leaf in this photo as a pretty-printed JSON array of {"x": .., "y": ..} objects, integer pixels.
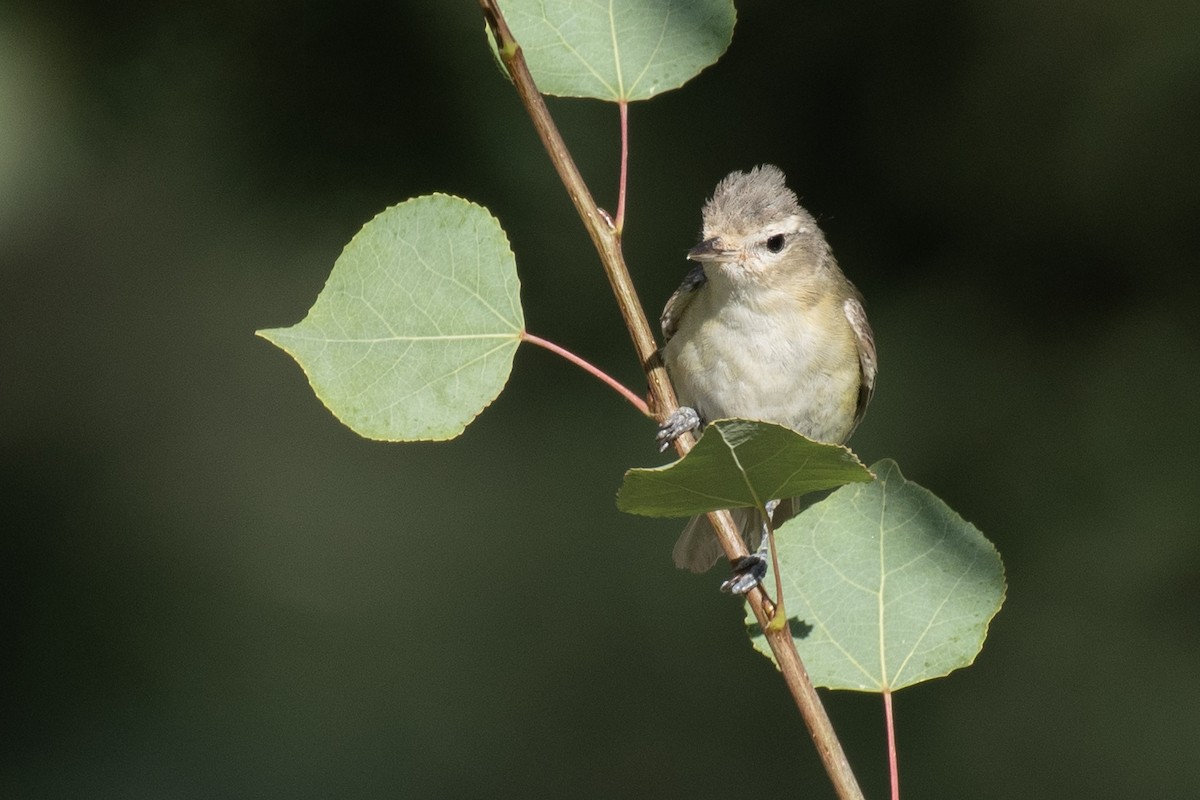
[
  {"x": 414, "y": 333},
  {"x": 618, "y": 49},
  {"x": 885, "y": 586}
]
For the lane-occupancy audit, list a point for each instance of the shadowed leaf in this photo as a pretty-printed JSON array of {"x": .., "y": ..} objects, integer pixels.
[{"x": 738, "y": 464}]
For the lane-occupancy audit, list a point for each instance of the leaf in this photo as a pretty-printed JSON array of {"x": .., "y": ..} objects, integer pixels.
[
  {"x": 618, "y": 49},
  {"x": 414, "y": 333},
  {"x": 893, "y": 587},
  {"x": 738, "y": 464}
]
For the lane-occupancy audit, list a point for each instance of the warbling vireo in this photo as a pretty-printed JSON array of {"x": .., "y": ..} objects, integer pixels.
[{"x": 764, "y": 327}]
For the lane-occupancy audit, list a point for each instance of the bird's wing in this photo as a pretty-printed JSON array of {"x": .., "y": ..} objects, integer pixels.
[
  {"x": 857, "y": 316},
  {"x": 679, "y": 301}
]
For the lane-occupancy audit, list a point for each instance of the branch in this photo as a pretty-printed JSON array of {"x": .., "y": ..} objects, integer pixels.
[
  {"x": 608, "y": 245},
  {"x": 604, "y": 237}
]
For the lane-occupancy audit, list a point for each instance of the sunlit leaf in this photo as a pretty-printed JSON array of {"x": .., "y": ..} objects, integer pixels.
[
  {"x": 414, "y": 333},
  {"x": 738, "y": 464},
  {"x": 618, "y": 49},
  {"x": 885, "y": 586}
]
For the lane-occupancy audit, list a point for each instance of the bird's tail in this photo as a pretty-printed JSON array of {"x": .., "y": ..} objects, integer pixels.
[{"x": 697, "y": 548}]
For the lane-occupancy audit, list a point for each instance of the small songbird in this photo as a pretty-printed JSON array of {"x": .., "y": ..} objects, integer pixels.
[{"x": 764, "y": 327}]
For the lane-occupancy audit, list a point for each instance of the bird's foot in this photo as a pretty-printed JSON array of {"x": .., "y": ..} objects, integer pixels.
[
  {"x": 681, "y": 421},
  {"x": 748, "y": 572}
]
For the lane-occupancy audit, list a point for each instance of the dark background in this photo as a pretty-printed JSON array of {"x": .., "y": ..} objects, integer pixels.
[{"x": 213, "y": 589}]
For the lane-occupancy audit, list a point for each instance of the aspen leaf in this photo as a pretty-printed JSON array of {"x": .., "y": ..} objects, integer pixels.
[
  {"x": 618, "y": 50},
  {"x": 885, "y": 585},
  {"x": 415, "y": 330},
  {"x": 738, "y": 464}
]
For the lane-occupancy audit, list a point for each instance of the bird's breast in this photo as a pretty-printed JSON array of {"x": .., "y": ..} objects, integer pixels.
[{"x": 773, "y": 360}]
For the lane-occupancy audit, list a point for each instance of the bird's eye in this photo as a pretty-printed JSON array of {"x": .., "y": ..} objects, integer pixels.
[{"x": 775, "y": 243}]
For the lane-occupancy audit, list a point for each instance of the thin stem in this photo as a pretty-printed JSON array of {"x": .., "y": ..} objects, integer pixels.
[
  {"x": 606, "y": 238},
  {"x": 602, "y": 231},
  {"x": 620, "y": 223},
  {"x": 893, "y": 767},
  {"x": 775, "y": 569},
  {"x": 625, "y": 392}
]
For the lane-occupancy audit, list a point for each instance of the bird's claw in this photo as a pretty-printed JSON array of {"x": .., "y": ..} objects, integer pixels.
[
  {"x": 682, "y": 420},
  {"x": 748, "y": 572}
]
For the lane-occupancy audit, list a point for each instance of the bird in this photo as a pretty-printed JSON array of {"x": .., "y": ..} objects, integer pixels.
[{"x": 765, "y": 326}]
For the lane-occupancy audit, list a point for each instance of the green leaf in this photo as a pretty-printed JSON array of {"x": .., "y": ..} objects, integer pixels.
[
  {"x": 414, "y": 333},
  {"x": 618, "y": 49},
  {"x": 885, "y": 586},
  {"x": 738, "y": 464}
]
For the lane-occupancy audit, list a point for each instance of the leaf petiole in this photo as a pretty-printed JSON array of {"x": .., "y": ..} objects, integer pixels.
[
  {"x": 620, "y": 221},
  {"x": 587, "y": 366}
]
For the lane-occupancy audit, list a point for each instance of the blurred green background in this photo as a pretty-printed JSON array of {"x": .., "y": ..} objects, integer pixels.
[{"x": 213, "y": 589}]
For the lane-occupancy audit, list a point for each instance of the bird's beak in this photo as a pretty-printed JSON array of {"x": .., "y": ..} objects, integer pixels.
[{"x": 711, "y": 250}]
